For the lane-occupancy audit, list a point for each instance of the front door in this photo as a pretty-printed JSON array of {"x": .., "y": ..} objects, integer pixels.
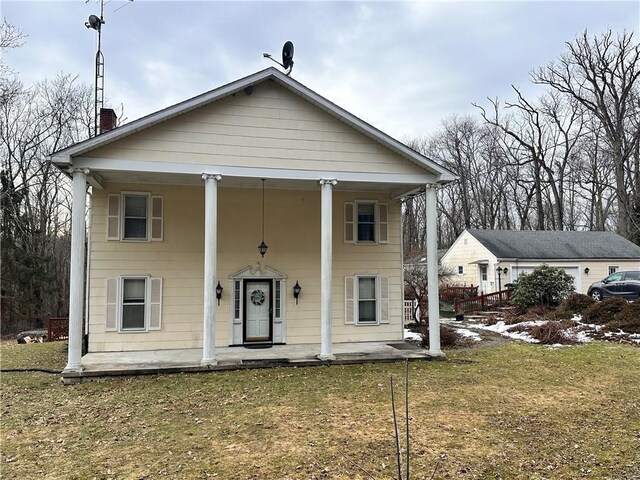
[
  {"x": 484, "y": 279},
  {"x": 257, "y": 316}
]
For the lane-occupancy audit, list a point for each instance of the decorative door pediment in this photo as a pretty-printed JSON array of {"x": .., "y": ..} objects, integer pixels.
[{"x": 257, "y": 270}]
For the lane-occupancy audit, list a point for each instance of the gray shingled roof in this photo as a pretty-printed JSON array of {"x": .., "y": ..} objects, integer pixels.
[{"x": 540, "y": 245}]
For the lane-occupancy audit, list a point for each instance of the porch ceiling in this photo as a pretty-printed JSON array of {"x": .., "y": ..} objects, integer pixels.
[{"x": 159, "y": 178}]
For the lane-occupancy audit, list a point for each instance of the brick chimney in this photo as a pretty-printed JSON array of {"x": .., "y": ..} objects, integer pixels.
[{"x": 107, "y": 119}]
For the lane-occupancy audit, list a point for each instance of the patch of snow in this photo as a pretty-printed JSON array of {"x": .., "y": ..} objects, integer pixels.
[
  {"x": 503, "y": 329},
  {"x": 581, "y": 336},
  {"x": 592, "y": 326},
  {"x": 463, "y": 332},
  {"x": 409, "y": 335}
]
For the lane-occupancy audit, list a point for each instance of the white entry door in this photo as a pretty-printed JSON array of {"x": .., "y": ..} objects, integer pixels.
[
  {"x": 258, "y": 311},
  {"x": 484, "y": 278}
]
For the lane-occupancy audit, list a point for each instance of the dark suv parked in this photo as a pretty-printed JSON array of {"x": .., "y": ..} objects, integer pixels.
[{"x": 619, "y": 284}]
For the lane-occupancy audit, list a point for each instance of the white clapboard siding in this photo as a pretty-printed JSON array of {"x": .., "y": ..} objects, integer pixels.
[{"x": 272, "y": 127}]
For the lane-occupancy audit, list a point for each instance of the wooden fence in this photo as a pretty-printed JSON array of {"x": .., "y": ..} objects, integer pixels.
[
  {"x": 57, "y": 329},
  {"x": 482, "y": 302},
  {"x": 452, "y": 292}
]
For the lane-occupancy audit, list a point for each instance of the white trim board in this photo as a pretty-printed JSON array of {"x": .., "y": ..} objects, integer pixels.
[{"x": 116, "y": 165}]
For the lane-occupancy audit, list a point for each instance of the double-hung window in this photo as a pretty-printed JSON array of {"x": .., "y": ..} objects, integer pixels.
[
  {"x": 135, "y": 217},
  {"x": 366, "y": 222},
  {"x": 367, "y": 302},
  {"x": 366, "y": 217},
  {"x": 134, "y": 299},
  {"x": 134, "y": 304}
]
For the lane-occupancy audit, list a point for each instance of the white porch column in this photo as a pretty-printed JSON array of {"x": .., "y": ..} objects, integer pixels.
[
  {"x": 326, "y": 264},
  {"x": 76, "y": 283},
  {"x": 432, "y": 269},
  {"x": 210, "y": 260}
]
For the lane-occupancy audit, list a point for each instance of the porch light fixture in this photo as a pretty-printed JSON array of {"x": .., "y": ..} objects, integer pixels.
[
  {"x": 219, "y": 292},
  {"x": 262, "y": 248},
  {"x": 505, "y": 270},
  {"x": 296, "y": 291},
  {"x": 586, "y": 271},
  {"x": 499, "y": 272}
]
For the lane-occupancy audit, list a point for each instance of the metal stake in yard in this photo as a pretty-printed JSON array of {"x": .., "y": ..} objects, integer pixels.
[
  {"x": 395, "y": 427},
  {"x": 406, "y": 408}
]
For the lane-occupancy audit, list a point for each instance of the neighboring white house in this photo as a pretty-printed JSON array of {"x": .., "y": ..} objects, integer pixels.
[
  {"x": 493, "y": 258},
  {"x": 179, "y": 199}
]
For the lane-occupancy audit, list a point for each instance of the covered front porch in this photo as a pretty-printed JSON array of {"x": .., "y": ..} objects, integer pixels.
[
  {"x": 104, "y": 364},
  {"x": 223, "y": 258}
]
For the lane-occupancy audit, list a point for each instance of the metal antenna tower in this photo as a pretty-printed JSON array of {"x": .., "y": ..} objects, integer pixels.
[{"x": 96, "y": 23}]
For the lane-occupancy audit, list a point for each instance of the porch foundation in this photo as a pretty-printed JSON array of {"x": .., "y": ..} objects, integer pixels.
[{"x": 107, "y": 364}]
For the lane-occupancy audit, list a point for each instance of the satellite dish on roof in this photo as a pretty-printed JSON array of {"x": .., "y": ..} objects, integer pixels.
[
  {"x": 287, "y": 57},
  {"x": 94, "y": 22}
]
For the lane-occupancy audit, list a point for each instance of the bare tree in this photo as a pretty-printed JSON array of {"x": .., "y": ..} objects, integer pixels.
[
  {"x": 10, "y": 37},
  {"x": 601, "y": 74},
  {"x": 570, "y": 159},
  {"x": 416, "y": 286},
  {"x": 34, "y": 122}
]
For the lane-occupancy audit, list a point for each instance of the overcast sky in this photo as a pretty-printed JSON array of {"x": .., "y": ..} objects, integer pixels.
[{"x": 402, "y": 66}]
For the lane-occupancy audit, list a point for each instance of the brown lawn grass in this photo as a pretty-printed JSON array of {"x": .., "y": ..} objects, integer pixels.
[{"x": 513, "y": 412}]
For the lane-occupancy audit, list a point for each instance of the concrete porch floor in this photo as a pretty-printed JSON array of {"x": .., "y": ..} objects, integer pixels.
[{"x": 102, "y": 364}]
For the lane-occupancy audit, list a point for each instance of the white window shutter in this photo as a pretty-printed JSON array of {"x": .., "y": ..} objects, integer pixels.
[
  {"x": 383, "y": 223},
  {"x": 155, "y": 304},
  {"x": 384, "y": 299},
  {"x": 113, "y": 217},
  {"x": 111, "y": 315},
  {"x": 349, "y": 301},
  {"x": 157, "y": 222},
  {"x": 348, "y": 222}
]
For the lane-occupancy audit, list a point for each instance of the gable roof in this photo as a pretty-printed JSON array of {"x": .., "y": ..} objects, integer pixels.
[
  {"x": 421, "y": 260},
  {"x": 64, "y": 156},
  {"x": 546, "y": 244}
]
